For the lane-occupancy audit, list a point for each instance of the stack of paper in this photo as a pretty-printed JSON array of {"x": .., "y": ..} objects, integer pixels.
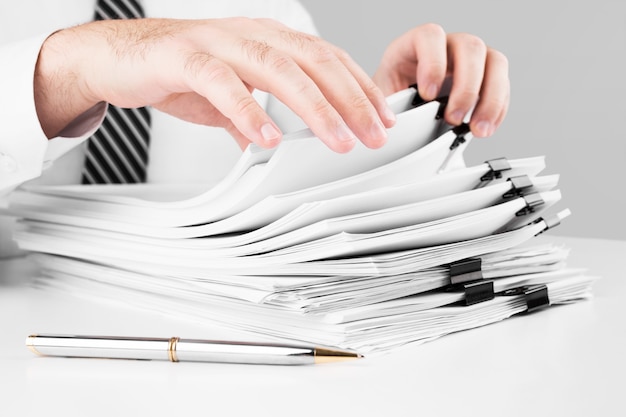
[{"x": 367, "y": 250}]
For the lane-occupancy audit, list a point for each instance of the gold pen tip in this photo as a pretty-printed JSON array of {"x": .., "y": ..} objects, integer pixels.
[
  {"x": 31, "y": 345},
  {"x": 325, "y": 355}
]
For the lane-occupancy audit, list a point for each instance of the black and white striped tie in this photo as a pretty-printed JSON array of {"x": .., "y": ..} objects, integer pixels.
[{"x": 118, "y": 151}]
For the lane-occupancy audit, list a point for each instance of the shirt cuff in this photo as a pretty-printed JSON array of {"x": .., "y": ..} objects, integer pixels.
[
  {"x": 75, "y": 133},
  {"x": 24, "y": 148}
]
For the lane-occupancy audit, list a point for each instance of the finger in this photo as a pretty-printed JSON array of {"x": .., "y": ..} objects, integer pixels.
[
  {"x": 430, "y": 49},
  {"x": 371, "y": 90},
  {"x": 239, "y": 137},
  {"x": 339, "y": 85},
  {"x": 322, "y": 49},
  {"x": 269, "y": 69},
  {"x": 494, "y": 96},
  {"x": 466, "y": 60},
  {"x": 220, "y": 85}
]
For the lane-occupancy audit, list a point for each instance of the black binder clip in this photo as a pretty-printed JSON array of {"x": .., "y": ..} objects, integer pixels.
[
  {"x": 550, "y": 222},
  {"x": 477, "y": 292},
  {"x": 519, "y": 185},
  {"x": 466, "y": 270},
  {"x": 460, "y": 131},
  {"x": 532, "y": 202},
  {"x": 418, "y": 101},
  {"x": 496, "y": 166},
  {"x": 443, "y": 103},
  {"x": 536, "y": 296},
  {"x": 466, "y": 275}
]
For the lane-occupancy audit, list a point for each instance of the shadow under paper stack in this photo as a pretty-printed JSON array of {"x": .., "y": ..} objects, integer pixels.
[{"x": 368, "y": 250}]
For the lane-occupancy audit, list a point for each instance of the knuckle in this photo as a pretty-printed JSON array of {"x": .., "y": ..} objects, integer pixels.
[
  {"x": 474, "y": 44},
  {"x": 257, "y": 51},
  {"x": 341, "y": 54},
  {"x": 305, "y": 89},
  {"x": 298, "y": 39},
  {"x": 371, "y": 89},
  {"x": 264, "y": 20},
  {"x": 432, "y": 29},
  {"x": 199, "y": 63},
  {"x": 269, "y": 22},
  {"x": 280, "y": 63},
  {"x": 492, "y": 105},
  {"x": 217, "y": 74},
  {"x": 323, "y": 55},
  {"x": 360, "y": 103},
  {"x": 434, "y": 70},
  {"x": 321, "y": 109},
  {"x": 242, "y": 21},
  {"x": 467, "y": 96},
  {"x": 245, "y": 105},
  {"x": 498, "y": 58}
]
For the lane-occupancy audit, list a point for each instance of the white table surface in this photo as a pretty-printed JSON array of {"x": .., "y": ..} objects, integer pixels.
[{"x": 562, "y": 361}]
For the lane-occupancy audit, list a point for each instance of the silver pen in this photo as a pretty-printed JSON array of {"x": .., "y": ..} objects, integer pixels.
[{"x": 175, "y": 349}]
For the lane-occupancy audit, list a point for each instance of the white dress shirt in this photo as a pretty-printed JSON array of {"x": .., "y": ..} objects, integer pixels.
[{"x": 179, "y": 151}]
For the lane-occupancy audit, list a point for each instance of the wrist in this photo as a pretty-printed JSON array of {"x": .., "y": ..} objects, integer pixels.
[{"x": 60, "y": 92}]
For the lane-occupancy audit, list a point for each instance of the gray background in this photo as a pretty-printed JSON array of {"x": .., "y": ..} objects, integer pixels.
[{"x": 568, "y": 73}]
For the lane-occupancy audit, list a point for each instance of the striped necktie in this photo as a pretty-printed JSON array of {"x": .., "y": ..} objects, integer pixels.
[{"x": 118, "y": 151}]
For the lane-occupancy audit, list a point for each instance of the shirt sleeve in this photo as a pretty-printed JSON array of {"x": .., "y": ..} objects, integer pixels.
[{"x": 24, "y": 148}]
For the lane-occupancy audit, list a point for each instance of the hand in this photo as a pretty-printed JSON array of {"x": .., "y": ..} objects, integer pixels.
[
  {"x": 203, "y": 71},
  {"x": 427, "y": 55}
]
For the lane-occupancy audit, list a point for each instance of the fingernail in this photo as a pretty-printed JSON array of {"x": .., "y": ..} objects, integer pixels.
[
  {"x": 484, "y": 129},
  {"x": 270, "y": 133},
  {"x": 456, "y": 118},
  {"x": 390, "y": 116},
  {"x": 344, "y": 134},
  {"x": 378, "y": 134},
  {"x": 432, "y": 91}
]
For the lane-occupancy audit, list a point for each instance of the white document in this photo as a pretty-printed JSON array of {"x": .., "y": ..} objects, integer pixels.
[
  {"x": 374, "y": 329},
  {"x": 274, "y": 207},
  {"x": 314, "y": 294},
  {"x": 301, "y": 161},
  {"x": 286, "y": 249},
  {"x": 348, "y": 250},
  {"x": 308, "y": 222}
]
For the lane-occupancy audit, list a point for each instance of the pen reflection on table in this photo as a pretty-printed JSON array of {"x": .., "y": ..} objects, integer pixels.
[{"x": 175, "y": 349}]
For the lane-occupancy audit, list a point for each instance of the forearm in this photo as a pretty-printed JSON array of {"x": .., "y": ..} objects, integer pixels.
[
  {"x": 203, "y": 71},
  {"x": 59, "y": 88}
]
